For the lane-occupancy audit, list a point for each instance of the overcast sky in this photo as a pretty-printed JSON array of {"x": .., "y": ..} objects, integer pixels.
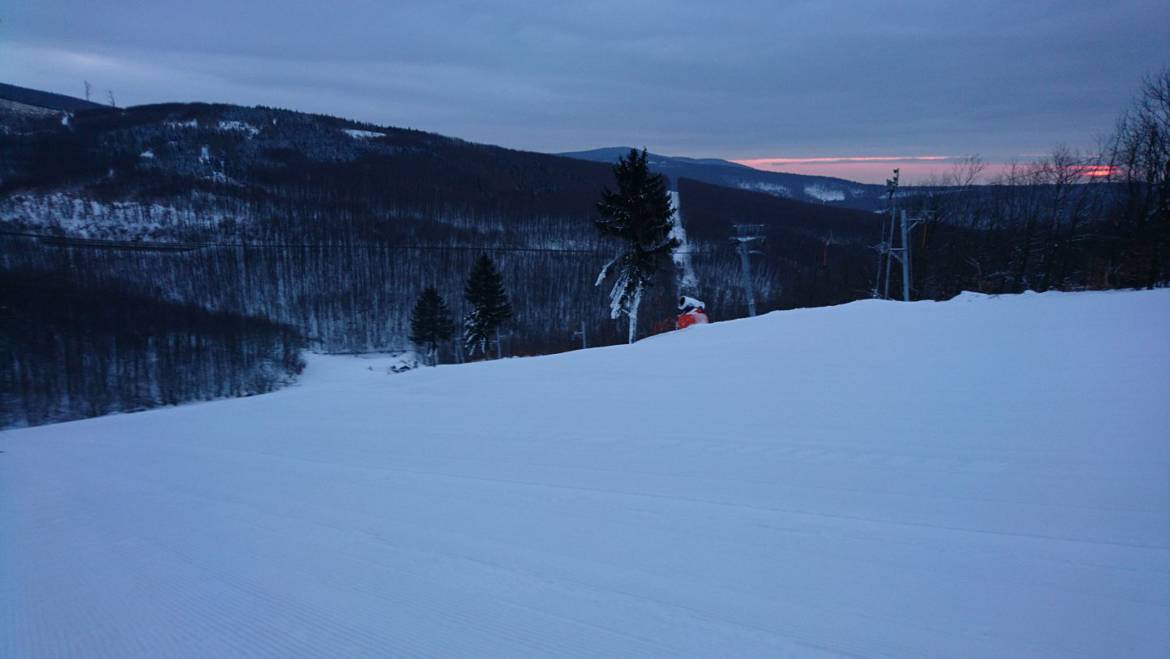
[{"x": 798, "y": 86}]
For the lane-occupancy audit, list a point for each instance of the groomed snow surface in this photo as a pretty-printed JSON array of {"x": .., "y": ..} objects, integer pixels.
[{"x": 985, "y": 477}]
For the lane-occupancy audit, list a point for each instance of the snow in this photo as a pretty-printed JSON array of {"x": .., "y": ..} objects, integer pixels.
[
  {"x": 390, "y": 362},
  {"x": 774, "y": 189},
  {"x": 239, "y": 127},
  {"x": 985, "y": 477},
  {"x": 362, "y": 134},
  {"x": 824, "y": 194},
  {"x": 82, "y": 217},
  {"x": 686, "y": 277}
]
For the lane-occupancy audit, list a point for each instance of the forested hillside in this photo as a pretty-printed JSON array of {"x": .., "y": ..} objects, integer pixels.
[
  {"x": 330, "y": 229},
  {"x": 334, "y": 227}
]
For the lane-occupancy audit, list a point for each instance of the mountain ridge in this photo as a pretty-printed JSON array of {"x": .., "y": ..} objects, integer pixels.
[
  {"x": 43, "y": 99},
  {"x": 825, "y": 190}
]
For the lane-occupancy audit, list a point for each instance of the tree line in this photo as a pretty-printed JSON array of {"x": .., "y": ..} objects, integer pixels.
[
  {"x": 1068, "y": 221},
  {"x": 71, "y": 349}
]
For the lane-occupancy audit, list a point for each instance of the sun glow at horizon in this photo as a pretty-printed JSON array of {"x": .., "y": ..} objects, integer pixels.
[
  {"x": 863, "y": 169},
  {"x": 916, "y": 170}
]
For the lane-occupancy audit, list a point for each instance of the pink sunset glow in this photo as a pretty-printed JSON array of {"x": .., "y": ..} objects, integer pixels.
[
  {"x": 1099, "y": 171},
  {"x": 865, "y": 169}
]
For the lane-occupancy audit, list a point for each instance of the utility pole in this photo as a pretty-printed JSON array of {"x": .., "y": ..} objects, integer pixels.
[
  {"x": 892, "y": 188},
  {"x": 883, "y": 248},
  {"x": 581, "y": 333},
  {"x": 745, "y": 235},
  {"x": 906, "y": 260}
]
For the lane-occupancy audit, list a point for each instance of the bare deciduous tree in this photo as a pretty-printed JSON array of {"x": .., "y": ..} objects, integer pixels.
[{"x": 1139, "y": 160}]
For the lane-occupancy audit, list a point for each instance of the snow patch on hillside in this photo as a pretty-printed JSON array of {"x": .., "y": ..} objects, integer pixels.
[
  {"x": 770, "y": 188},
  {"x": 358, "y": 134},
  {"x": 239, "y": 127},
  {"x": 824, "y": 194},
  {"x": 79, "y": 217}
]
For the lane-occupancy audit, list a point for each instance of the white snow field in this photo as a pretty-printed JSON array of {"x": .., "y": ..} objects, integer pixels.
[{"x": 985, "y": 477}]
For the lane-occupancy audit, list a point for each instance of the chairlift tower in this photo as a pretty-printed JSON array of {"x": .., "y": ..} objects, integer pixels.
[
  {"x": 883, "y": 248},
  {"x": 903, "y": 254},
  {"x": 747, "y": 235}
]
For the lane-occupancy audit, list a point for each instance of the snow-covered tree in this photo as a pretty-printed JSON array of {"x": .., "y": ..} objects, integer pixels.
[
  {"x": 431, "y": 323},
  {"x": 489, "y": 307},
  {"x": 639, "y": 213}
]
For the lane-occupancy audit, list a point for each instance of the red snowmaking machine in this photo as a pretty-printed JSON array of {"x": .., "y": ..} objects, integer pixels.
[{"x": 690, "y": 312}]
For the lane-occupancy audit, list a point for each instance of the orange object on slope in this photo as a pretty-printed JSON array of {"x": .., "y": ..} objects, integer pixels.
[{"x": 691, "y": 312}]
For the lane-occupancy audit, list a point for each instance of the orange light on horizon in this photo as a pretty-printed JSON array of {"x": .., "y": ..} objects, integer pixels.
[
  {"x": 875, "y": 169},
  {"x": 1098, "y": 171}
]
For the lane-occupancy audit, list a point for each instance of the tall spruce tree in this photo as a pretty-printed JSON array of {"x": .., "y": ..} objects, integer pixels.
[
  {"x": 430, "y": 324},
  {"x": 489, "y": 307},
  {"x": 639, "y": 213}
]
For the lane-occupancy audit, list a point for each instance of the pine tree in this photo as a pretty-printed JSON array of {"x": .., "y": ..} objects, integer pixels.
[
  {"x": 489, "y": 306},
  {"x": 431, "y": 323},
  {"x": 639, "y": 213}
]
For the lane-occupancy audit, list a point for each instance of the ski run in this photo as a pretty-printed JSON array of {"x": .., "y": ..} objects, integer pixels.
[{"x": 983, "y": 477}]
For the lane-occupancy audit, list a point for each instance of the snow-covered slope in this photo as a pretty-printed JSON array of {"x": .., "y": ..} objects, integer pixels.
[{"x": 985, "y": 477}]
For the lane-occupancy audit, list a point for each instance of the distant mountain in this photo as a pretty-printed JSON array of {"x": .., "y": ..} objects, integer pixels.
[
  {"x": 34, "y": 98},
  {"x": 23, "y": 109},
  {"x": 333, "y": 226},
  {"x": 811, "y": 189}
]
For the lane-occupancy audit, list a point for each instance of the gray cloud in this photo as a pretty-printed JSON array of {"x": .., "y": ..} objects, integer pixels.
[{"x": 733, "y": 79}]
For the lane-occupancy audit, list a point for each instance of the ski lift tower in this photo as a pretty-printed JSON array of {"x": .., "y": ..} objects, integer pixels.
[
  {"x": 883, "y": 248},
  {"x": 904, "y": 253},
  {"x": 747, "y": 235}
]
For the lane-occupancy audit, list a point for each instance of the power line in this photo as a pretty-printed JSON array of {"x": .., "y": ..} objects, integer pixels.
[{"x": 177, "y": 246}]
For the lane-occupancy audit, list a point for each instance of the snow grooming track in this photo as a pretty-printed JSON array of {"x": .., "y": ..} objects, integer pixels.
[{"x": 610, "y": 503}]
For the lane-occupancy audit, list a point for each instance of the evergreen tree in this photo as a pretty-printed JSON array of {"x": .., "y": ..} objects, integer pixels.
[
  {"x": 431, "y": 323},
  {"x": 489, "y": 306},
  {"x": 639, "y": 213}
]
